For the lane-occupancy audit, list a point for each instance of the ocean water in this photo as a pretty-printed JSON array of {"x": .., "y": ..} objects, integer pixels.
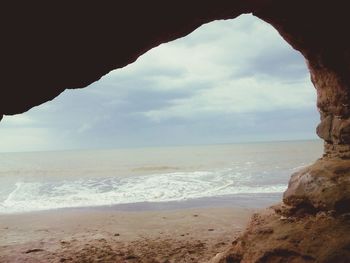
[{"x": 65, "y": 179}]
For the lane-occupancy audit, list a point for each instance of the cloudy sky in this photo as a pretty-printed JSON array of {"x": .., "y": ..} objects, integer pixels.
[{"x": 229, "y": 81}]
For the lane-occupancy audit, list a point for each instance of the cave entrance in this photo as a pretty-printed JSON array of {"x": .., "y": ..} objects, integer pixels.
[{"x": 226, "y": 111}]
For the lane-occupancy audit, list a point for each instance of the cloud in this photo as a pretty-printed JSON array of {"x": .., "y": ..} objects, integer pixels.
[
  {"x": 237, "y": 96},
  {"x": 238, "y": 66},
  {"x": 228, "y": 81},
  {"x": 20, "y": 121}
]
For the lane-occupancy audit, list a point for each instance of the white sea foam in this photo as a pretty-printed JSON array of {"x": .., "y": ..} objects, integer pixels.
[
  {"x": 51, "y": 180},
  {"x": 33, "y": 196}
]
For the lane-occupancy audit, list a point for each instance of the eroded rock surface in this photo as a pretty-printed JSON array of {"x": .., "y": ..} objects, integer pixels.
[
  {"x": 311, "y": 225},
  {"x": 323, "y": 186},
  {"x": 316, "y": 29},
  {"x": 277, "y": 236}
]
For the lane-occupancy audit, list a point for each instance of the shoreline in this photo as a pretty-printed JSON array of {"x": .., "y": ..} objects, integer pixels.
[
  {"x": 251, "y": 201},
  {"x": 110, "y": 235}
]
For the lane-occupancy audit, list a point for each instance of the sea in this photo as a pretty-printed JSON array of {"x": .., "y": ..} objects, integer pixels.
[{"x": 247, "y": 174}]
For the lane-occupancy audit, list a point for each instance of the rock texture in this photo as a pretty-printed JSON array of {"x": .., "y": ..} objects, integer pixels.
[
  {"x": 49, "y": 47},
  {"x": 311, "y": 225},
  {"x": 276, "y": 236},
  {"x": 323, "y": 186},
  {"x": 316, "y": 29}
]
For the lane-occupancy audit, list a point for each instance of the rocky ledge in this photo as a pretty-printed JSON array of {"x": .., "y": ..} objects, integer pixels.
[
  {"x": 277, "y": 235},
  {"x": 311, "y": 225}
]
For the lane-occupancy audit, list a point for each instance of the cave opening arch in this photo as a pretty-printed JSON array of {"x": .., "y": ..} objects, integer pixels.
[
  {"x": 225, "y": 70},
  {"x": 186, "y": 86},
  {"x": 249, "y": 79},
  {"x": 213, "y": 69}
]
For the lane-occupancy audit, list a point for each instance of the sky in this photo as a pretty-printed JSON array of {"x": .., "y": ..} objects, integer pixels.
[{"x": 229, "y": 81}]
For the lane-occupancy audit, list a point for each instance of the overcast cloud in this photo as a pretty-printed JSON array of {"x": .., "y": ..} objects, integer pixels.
[{"x": 229, "y": 81}]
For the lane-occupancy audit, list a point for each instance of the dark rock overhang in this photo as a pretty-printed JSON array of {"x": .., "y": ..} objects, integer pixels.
[{"x": 48, "y": 47}]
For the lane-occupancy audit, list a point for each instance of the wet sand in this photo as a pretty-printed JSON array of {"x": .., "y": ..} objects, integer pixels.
[{"x": 108, "y": 235}]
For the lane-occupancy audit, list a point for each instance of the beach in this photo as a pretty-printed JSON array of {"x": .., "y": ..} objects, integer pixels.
[
  {"x": 167, "y": 204},
  {"x": 108, "y": 235}
]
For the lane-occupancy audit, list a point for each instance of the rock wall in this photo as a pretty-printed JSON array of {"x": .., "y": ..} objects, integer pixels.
[
  {"x": 49, "y": 47},
  {"x": 317, "y": 31}
]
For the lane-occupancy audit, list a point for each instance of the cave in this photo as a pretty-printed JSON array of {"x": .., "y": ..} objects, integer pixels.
[{"x": 53, "y": 47}]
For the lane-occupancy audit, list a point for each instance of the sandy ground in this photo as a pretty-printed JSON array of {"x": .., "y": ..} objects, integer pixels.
[{"x": 91, "y": 235}]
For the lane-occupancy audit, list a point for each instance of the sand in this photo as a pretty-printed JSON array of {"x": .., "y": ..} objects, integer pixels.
[{"x": 107, "y": 235}]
